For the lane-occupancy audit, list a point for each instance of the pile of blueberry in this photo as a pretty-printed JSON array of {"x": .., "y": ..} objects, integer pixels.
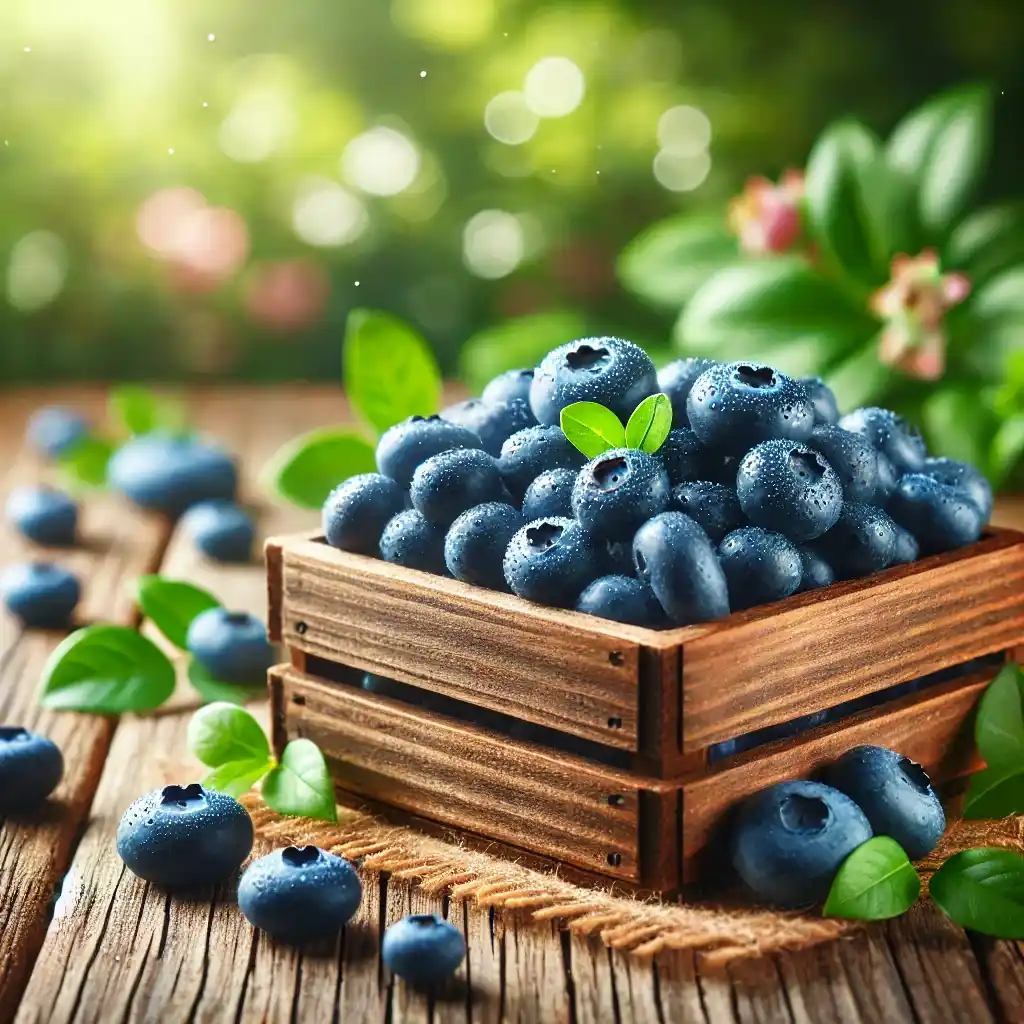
[
  {"x": 789, "y": 840},
  {"x": 759, "y": 491}
]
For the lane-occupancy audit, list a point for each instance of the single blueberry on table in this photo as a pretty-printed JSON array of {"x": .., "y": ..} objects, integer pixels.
[
  {"x": 43, "y": 515},
  {"x": 618, "y": 491},
  {"x": 676, "y": 380},
  {"x": 816, "y": 572},
  {"x": 405, "y": 445},
  {"x": 862, "y": 542},
  {"x": 448, "y": 484},
  {"x": 528, "y": 453},
  {"x": 409, "y": 540},
  {"x": 622, "y": 598},
  {"x": 493, "y": 422},
  {"x": 615, "y": 373},
  {"x": 231, "y": 646},
  {"x": 734, "y": 406},
  {"x": 789, "y": 488},
  {"x": 891, "y": 434},
  {"x": 964, "y": 476},
  {"x": 759, "y": 566},
  {"x": 510, "y": 384},
  {"x": 550, "y": 494},
  {"x": 940, "y": 517},
  {"x": 53, "y": 431},
  {"x": 789, "y": 840},
  {"x": 550, "y": 561},
  {"x": 906, "y": 549},
  {"x": 675, "y": 558},
  {"x": 423, "y": 949},
  {"x": 895, "y": 795},
  {"x": 475, "y": 546},
  {"x": 714, "y": 507},
  {"x": 221, "y": 530},
  {"x": 40, "y": 595},
  {"x": 299, "y": 893},
  {"x": 31, "y": 766},
  {"x": 826, "y": 410},
  {"x": 184, "y": 837},
  {"x": 853, "y": 459},
  {"x": 357, "y": 510}
]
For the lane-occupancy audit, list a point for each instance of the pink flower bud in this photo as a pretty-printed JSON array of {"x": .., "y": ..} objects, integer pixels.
[{"x": 766, "y": 217}]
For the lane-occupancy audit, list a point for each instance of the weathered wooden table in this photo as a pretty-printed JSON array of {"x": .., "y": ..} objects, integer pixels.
[{"x": 83, "y": 940}]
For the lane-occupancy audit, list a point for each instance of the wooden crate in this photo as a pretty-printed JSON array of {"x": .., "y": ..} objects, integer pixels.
[{"x": 607, "y": 747}]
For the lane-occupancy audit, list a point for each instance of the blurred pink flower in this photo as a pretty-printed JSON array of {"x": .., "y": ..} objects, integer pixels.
[
  {"x": 159, "y": 218},
  {"x": 287, "y": 295},
  {"x": 766, "y": 217}
]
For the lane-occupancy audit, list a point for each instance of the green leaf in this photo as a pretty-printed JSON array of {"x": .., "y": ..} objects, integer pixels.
[
  {"x": 236, "y": 778},
  {"x": 860, "y": 379},
  {"x": 1002, "y": 297},
  {"x": 171, "y": 605},
  {"x": 999, "y": 720},
  {"x": 138, "y": 411},
  {"x": 107, "y": 670},
  {"x": 995, "y": 793},
  {"x": 305, "y": 470},
  {"x": 1007, "y": 448},
  {"x": 986, "y": 242},
  {"x": 221, "y": 733},
  {"x": 212, "y": 690},
  {"x": 955, "y": 424},
  {"x": 983, "y": 890},
  {"x": 85, "y": 464},
  {"x": 876, "y": 881},
  {"x": 592, "y": 428},
  {"x": 669, "y": 261},
  {"x": 650, "y": 423},
  {"x": 301, "y": 784},
  {"x": 390, "y": 371}
]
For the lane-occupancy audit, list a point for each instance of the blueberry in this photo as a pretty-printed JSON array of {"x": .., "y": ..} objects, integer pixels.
[
  {"x": 448, "y": 484},
  {"x": 964, "y": 476},
  {"x": 356, "y": 512},
  {"x": 614, "y": 555},
  {"x": 789, "y": 488},
  {"x": 612, "y": 372},
  {"x": 550, "y": 561},
  {"x": 383, "y": 686},
  {"x": 409, "y": 540},
  {"x": 184, "y": 837},
  {"x": 760, "y": 566},
  {"x": 853, "y": 459},
  {"x": 714, "y": 507},
  {"x": 40, "y": 595},
  {"x": 825, "y": 408},
  {"x": 675, "y": 558},
  {"x": 221, "y": 530},
  {"x": 405, "y": 445},
  {"x": 895, "y": 795},
  {"x": 618, "y": 491},
  {"x": 474, "y": 548},
  {"x": 676, "y": 379},
  {"x": 493, "y": 422},
  {"x": 54, "y": 431},
  {"x": 899, "y": 440},
  {"x": 816, "y": 572},
  {"x": 861, "y": 542},
  {"x": 789, "y": 840},
  {"x": 170, "y": 474},
  {"x": 299, "y": 893},
  {"x": 231, "y": 646},
  {"x": 888, "y": 478},
  {"x": 906, "y": 548},
  {"x": 550, "y": 494},
  {"x": 423, "y": 949},
  {"x": 527, "y": 453},
  {"x": 622, "y": 598},
  {"x": 31, "y": 766},
  {"x": 940, "y": 517},
  {"x": 510, "y": 384},
  {"x": 685, "y": 458},
  {"x": 43, "y": 515},
  {"x": 734, "y": 406}
]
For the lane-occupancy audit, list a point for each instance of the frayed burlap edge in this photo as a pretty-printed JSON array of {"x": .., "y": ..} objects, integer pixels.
[{"x": 641, "y": 927}]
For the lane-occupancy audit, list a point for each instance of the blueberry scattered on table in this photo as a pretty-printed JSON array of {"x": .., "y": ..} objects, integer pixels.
[
  {"x": 40, "y": 595},
  {"x": 43, "y": 515},
  {"x": 53, "y": 431},
  {"x": 231, "y": 646},
  {"x": 221, "y": 530},
  {"x": 31, "y": 766},
  {"x": 423, "y": 949}
]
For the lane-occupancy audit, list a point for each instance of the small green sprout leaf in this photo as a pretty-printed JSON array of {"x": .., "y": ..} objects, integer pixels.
[
  {"x": 592, "y": 428},
  {"x": 650, "y": 424},
  {"x": 171, "y": 605},
  {"x": 300, "y": 784},
  {"x": 876, "y": 881}
]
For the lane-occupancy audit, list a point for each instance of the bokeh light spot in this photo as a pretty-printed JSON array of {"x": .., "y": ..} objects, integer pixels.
[
  {"x": 36, "y": 271},
  {"x": 684, "y": 131},
  {"x": 447, "y": 24},
  {"x": 554, "y": 87},
  {"x": 508, "y": 119},
  {"x": 493, "y": 244},
  {"x": 681, "y": 173},
  {"x": 326, "y": 214},
  {"x": 381, "y": 162},
  {"x": 259, "y": 124}
]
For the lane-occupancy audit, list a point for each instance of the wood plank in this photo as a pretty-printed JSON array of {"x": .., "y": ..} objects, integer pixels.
[
  {"x": 538, "y": 984},
  {"x": 1002, "y": 966}
]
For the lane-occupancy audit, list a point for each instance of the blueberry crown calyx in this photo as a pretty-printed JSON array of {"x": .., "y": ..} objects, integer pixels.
[
  {"x": 181, "y": 796},
  {"x": 300, "y": 856},
  {"x": 544, "y": 536}
]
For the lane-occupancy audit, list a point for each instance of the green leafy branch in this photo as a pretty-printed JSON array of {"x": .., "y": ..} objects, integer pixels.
[{"x": 594, "y": 429}]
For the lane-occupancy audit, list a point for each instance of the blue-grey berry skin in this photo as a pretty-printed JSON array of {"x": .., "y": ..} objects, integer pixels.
[
  {"x": 405, "y": 445},
  {"x": 357, "y": 510},
  {"x": 862, "y": 542},
  {"x": 939, "y": 516},
  {"x": 550, "y": 494},
  {"x": 221, "y": 530},
  {"x": 714, "y": 507},
  {"x": 759, "y": 566},
  {"x": 493, "y": 422},
  {"x": 231, "y": 646},
  {"x": 906, "y": 549},
  {"x": 409, "y": 540},
  {"x": 963, "y": 475},
  {"x": 43, "y": 515},
  {"x": 610, "y": 371},
  {"x": 618, "y": 491},
  {"x": 448, "y": 484},
  {"x": 31, "y": 766},
  {"x": 614, "y": 555},
  {"x": 685, "y": 458},
  {"x": 888, "y": 478},
  {"x": 815, "y": 571},
  {"x": 895, "y": 794},
  {"x": 550, "y": 561},
  {"x": 623, "y": 599},
  {"x": 184, "y": 837},
  {"x": 676, "y": 379},
  {"x": 40, "y": 595},
  {"x": 299, "y": 893},
  {"x": 53, "y": 431},
  {"x": 852, "y": 457},
  {"x": 423, "y": 949},
  {"x": 891, "y": 434},
  {"x": 170, "y": 474},
  {"x": 510, "y": 384},
  {"x": 789, "y": 488},
  {"x": 475, "y": 546},
  {"x": 826, "y": 410},
  {"x": 789, "y": 840},
  {"x": 527, "y": 453},
  {"x": 734, "y": 406},
  {"x": 675, "y": 558}
]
